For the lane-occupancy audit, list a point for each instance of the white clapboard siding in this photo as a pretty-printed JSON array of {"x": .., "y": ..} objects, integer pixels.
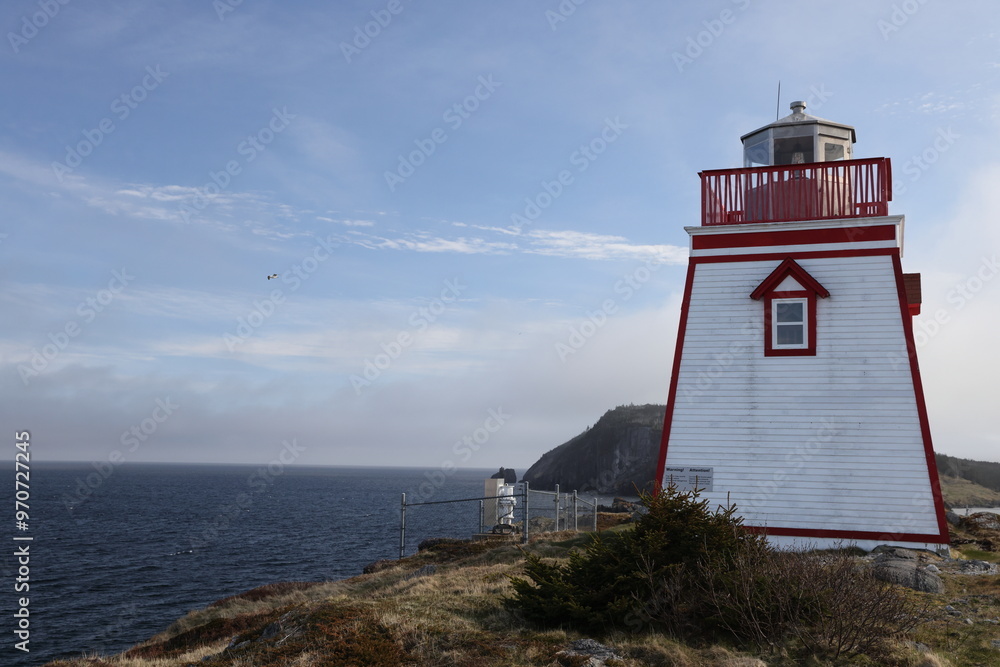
[{"x": 825, "y": 442}]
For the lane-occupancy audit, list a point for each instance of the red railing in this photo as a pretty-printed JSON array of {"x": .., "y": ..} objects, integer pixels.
[{"x": 813, "y": 191}]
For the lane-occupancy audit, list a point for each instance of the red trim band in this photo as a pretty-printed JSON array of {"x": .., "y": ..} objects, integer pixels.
[
  {"x": 764, "y": 256},
  {"x": 675, "y": 371},
  {"x": 918, "y": 391},
  {"x": 793, "y": 237}
]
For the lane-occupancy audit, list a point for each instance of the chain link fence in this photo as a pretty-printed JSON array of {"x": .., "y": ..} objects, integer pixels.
[{"x": 533, "y": 512}]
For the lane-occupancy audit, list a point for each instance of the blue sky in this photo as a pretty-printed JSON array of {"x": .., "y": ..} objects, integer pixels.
[{"x": 447, "y": 192}]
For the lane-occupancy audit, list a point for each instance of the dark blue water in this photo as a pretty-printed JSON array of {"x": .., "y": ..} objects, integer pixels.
[{"x": 114, "y": 564}]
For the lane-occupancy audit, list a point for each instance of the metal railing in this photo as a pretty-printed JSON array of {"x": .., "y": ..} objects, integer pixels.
[{"x": 811, "y": 191}]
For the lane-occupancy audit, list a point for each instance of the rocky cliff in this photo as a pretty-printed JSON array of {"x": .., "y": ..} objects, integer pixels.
[{"x": 616, "y": 455}]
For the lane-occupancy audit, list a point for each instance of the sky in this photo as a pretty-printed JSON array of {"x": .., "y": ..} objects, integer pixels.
[{"x": 473, "y": 212}]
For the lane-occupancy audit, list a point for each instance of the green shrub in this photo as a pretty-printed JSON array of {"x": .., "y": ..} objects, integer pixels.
[
  {"x": 698, "y": 574},
  {"x": 609, "y": 584}
]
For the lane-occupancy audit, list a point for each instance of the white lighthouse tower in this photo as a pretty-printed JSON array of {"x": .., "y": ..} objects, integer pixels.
[{"x": 795, "y": 391}]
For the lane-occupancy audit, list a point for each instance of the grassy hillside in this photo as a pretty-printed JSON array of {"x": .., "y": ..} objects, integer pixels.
[
  {"x": 958, "y": 493},
  {"x": 982, "y": 473},
  {"x": 444, "y": 606}
]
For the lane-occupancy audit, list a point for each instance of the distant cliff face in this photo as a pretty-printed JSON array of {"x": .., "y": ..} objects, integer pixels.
[{"x": 616, "y": 456}]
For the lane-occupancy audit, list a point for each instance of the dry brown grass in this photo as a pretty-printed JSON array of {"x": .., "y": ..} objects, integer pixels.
[{"x": 452, "y": 616}]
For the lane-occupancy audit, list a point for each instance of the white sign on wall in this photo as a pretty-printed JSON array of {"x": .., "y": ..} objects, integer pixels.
[{"x": 688, "y": 478}]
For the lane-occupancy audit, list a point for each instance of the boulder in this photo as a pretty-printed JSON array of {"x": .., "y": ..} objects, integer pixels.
[
  {"x": 981, "y": 522},
  {"x": 887, "y": 552},
  {"x": 907, "y": 572},
  {"x": 586, "y": 653},
  {"x": 977, "y": 567}
]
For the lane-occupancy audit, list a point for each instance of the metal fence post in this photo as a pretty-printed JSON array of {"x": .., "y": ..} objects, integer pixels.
[
  {"x": 482, "y": 514},
  {"x": 402, "y": 526},
  {"x": 595, "y": 514},
  {"x": 527, "y": 515},
  {"x": 576, "y": 516},
  {"x": 557, "y": 508}
]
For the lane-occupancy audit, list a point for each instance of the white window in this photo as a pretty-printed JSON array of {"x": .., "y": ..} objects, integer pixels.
[{"x": 789, "y": 326}]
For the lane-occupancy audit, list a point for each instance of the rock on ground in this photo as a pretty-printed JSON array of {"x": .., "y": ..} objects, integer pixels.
[
  {"x": 594, "y": 653},
  {"x": 982, "y": 522},
  {"x": 902, "y": 566}
]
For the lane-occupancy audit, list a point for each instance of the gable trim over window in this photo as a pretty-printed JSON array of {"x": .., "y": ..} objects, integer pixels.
[{"x": 789, "y": 295}]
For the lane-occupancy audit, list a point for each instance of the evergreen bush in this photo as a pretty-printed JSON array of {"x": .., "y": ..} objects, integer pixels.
[
  {"x": 609, "y": 584},
  {"x": 698, "y": 574}
]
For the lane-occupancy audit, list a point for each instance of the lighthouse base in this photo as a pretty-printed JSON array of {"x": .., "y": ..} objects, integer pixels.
[{"x": 789, "y": 543}]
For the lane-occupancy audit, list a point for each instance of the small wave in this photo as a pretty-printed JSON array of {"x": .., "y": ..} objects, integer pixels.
[{"x": 182, "y": 552}]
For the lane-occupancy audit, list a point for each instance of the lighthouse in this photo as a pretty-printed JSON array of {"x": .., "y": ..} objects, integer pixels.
[{"x": 795, "y": 391}]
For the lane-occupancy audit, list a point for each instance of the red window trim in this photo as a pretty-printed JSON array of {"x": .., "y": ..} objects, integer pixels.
[{"x": 789, "y": 267}]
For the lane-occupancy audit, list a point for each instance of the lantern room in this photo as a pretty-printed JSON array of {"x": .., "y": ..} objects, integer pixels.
[{"x": 797, "y": 139}]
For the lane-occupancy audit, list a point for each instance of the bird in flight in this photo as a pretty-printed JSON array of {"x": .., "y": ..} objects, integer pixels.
[{"x": 273, "y": 275}]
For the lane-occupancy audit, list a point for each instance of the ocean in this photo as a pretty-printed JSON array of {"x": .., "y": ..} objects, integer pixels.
[{"x": 118, "y": 554}]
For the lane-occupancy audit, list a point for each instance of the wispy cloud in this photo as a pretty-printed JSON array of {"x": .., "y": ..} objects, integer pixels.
[
  {"x": 510, "y": 231},
  {"x": 347, "y": 222},
  {"x": 228, "y": 211},
  {"x": 584, "y": 245},
  {"x": 425, "y": 243},
  {"x": 564, "y": 243}
]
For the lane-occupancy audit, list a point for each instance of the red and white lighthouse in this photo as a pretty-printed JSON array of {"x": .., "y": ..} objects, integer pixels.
[{"x": 795, "y": 391}]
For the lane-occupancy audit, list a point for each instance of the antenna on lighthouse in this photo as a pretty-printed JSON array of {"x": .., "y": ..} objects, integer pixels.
[{"x": 777, "y": 105}]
